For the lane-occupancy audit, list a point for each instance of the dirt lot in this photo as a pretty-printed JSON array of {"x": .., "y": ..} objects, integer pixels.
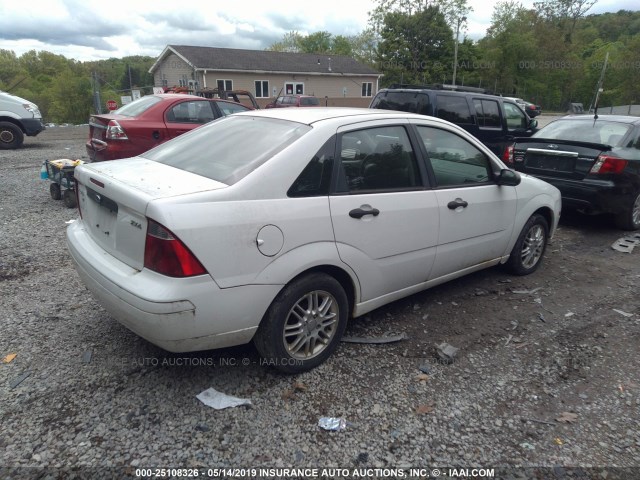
[{"x": 546, "y": 375}]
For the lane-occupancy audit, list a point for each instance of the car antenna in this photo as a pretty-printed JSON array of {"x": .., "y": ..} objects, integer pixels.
[{"x": 599, "y": 88}]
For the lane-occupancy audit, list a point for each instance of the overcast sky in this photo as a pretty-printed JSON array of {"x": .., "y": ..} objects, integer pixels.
[{"x": 92, "y": 30}]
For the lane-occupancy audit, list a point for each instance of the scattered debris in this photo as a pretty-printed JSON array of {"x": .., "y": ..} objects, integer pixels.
[
  {"x": 526, "y": 292},
  {"x": 508, "y": 340},
  {"x": 506, "y": 280},
  {"x": 624, "y": 314},
  {"x": 376, "y": 340},
  {"x": 332, "y": 423},
  {"x": 423, "y": 377},
  {"x": 567, "y": 417},
  {"x": 425, "y": 317},
  {"x": 446, "y": 352},
  {"x": 569, "y": 314},
  {"x": 86, "y": 356},
  {"x": 297, "y": 387},
  {"x": 69, "y": 222},
  {"x": 19, "y": 379},
  {"x": 527, "y": 446},
  {"x": 218, "y": 400},
  {"x": 558, "y": 441},
  {"x": 535, "y": 420},
  {"x": 9, "y": 358},
  {"x": 426, "y": 408},
  {"x": 626, "y": 244},
  {"x": 541, "y": 317},
  {"x": 480, "y": 292},
  {"x": 425, "y": 368}
]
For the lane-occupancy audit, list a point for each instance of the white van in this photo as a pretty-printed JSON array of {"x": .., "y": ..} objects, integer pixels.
[{"x": 18, "y": 117}]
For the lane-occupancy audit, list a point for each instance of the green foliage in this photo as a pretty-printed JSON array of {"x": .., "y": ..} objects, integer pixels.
[
  {"x": 62, "y": 87},
  {"x": 415, "y": 48}
]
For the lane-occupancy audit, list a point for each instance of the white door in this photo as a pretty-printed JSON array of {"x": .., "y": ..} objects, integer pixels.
[
  {"x": 476, "y": 214},
  {"x": 385, "y": 222}
]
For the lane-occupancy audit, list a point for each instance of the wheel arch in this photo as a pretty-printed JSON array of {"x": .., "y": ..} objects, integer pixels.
[
  {"x": 17, "y": 123},
  {"x": 341, "y": 275}
]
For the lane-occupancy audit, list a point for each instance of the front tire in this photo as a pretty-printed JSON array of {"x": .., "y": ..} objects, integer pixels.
[
  {"x": 629, "y": 219},
  {"x": 10, "y": 136},
  {"x": 304, "y": 324},
  {"x": 528, "y": 251}
]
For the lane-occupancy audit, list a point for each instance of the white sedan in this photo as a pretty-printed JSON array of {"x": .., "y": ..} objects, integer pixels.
[{"x": 278, "y": 225}]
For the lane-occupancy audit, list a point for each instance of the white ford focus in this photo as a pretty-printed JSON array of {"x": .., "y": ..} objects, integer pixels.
[{"x": 277, "y": 226}]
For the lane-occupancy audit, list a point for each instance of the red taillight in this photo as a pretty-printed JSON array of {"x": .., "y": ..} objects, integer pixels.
[
  {"x": 507, "y": 155},
  {"x": 608, "y": 164},
  {"x": 115, "y": 131},
  {"x": 166, "y": 254}
]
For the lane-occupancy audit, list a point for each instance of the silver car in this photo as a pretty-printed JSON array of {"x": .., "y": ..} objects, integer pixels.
[{"x": 279, "y": 225}]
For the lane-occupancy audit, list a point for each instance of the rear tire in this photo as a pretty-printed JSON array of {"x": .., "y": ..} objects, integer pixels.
[
  {"x": 69, "y": 199},
  {"x": 630, "y": 218},
  {"x": 528, "y": 251},
  {"x": 10, "y": 136},
  {"x": 54, "y": 190},
  {"x": 304, "y": 324}
]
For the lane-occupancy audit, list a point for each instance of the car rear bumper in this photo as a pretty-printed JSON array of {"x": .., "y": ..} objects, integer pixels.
[
  {"x": 177, "y": 314},
  {"x": 593, "y": 195},
  {"x": 100, "y": 151}
]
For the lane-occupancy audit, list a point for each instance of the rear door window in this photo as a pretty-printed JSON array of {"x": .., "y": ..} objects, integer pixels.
[
  {"x": 377, "y": 159},
  {"x": 455, "y": 109},
  {"x": 488, "y": 113},
  {"x": 199, "y": 111}
]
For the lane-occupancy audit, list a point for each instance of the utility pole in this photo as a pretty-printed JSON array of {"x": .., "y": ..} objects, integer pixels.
[
  {"x": 97, "y": 103},
  {"x": 455, "y": 51}
]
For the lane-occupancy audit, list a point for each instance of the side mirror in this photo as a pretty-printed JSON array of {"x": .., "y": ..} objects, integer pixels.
[
  {"x": 508, "y": 177},
  {"x": 533, "y": 124}
]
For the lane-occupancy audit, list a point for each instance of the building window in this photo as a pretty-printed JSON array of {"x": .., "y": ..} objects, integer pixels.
[
  {"x": 165, "y": 82},
  {"x": 291, "y": 88},
  {"x": 262, "y": 88},
  {"x": 366, "y": 89},
  {"x": 225, "y": 84}
]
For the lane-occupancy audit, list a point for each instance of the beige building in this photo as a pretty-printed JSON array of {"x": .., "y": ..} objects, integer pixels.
[{"x": 339, "y": 80}]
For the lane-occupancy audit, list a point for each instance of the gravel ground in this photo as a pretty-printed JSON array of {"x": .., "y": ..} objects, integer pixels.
[{"x": 546, "y": 376}]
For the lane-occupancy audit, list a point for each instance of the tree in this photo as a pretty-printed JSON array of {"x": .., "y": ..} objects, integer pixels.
[
  {"x": 565, "y": 12},
  {"x": 290, "y": 43},
  {"x": 415, "y": 48}
]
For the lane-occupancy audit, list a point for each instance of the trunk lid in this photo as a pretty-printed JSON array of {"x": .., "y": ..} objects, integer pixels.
[
  {"x": 113, "y": 199},
  {"x": 556, "y": 158}
]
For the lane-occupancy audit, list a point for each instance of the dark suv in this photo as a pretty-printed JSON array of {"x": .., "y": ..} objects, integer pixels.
[{"x": 494, "y": 120}]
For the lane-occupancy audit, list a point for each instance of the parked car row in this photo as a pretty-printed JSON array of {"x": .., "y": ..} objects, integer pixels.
[{"x": 197, "y": 251}]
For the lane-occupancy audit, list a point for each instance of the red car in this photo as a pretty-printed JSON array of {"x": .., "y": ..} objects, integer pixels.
[
  {"x": 150, "y": 121},
  {"x": 294, "y": 101}
]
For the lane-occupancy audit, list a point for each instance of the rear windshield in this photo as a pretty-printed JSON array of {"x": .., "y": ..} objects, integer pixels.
[
  {"x": 309, "y": 101},
  {"x": 137, "y": 107},
  {"x": 598, "y": 131},
  {"x": 228, "y": 149},
  {"x": 413, "y": 102}
]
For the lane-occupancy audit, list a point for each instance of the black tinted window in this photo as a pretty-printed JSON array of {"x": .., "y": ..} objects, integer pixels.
[
  {"x": 488, "y": 113},
  {"x": 454, "y": 109},
  {"x": 378, "y": 158},
  {"x": 315, "y": 179},
  {"x": 413, "y": 102}
]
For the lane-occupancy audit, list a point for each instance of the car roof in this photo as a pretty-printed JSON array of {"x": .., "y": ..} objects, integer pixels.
[
  {"x": 312, "y": 115},
  {"x": 611, "y": 118},
  {"x": 445, "y": 92}
]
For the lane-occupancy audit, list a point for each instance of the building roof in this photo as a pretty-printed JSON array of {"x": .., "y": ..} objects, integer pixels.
[{"x": 232, "y": 59}]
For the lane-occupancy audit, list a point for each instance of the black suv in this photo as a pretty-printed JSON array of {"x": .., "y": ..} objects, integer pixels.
[{"x": 493, "y": 120}]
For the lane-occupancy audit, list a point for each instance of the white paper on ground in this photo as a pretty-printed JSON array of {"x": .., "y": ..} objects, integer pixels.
[{"x": 218, "y": 400}]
